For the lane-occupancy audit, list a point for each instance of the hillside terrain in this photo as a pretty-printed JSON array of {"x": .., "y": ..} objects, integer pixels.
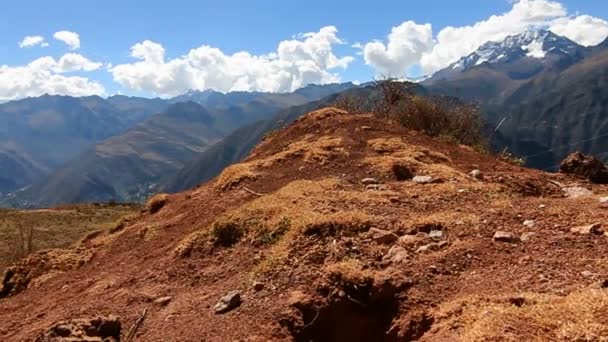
[
  {"x": 28, "y": 231},
  {"x": 68, "y": 124},
  {"x": 546, "y": 88},
  {"x": 339, "y": 227}
]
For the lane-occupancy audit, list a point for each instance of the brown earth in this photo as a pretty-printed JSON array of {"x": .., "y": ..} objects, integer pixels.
[{"x": 334, "y": 259}]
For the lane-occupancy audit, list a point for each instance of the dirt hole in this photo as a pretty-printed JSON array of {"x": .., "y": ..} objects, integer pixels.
[{"x": 356, "y": 312}]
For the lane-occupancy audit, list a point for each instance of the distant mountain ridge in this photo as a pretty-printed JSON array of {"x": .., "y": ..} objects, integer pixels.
[
  {"x": 549, "y": 90},
  {"x": 130, "y": 165},
  {"x": 39, "y": 134}
]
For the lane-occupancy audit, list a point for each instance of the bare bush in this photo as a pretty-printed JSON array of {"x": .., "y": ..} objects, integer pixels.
[{"x": 437, "y": 116}]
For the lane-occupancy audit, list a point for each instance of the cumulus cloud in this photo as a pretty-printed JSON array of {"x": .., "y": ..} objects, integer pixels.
[
  {"x": 71, "y": 39},
  {"x": 308, "y": 58},
  {"x": 75, "y": 62},
  {"x": 406, "y": 44},
  {"x": 413, "y": 44},
  {"x": 44, "y": 76},
  {"x": 31, "y": 41},
  {"x": 583, "y": 29}
]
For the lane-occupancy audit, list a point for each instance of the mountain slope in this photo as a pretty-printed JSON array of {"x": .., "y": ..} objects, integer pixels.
[
  {"x": 553, "y": 115},
  {"x": 334, "y": 257},
  {"x": 125, "y": 167},
  {"x": 39, "y": 134},
  {"x": 546, "y": 88}
]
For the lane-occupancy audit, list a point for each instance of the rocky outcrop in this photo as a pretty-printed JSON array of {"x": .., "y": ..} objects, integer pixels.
[{"x": 585, "y": 166}]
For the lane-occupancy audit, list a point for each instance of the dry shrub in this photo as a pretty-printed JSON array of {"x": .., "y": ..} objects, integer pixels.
[
  {"x": 156, "y": 203},
  {"x": 351, "y": 104},
  {"x": 234, "y": 175},
  {"x": 579, "y": 316},
  {"x": 436, "y": 116},
  {"x": 229, "y": 232}
]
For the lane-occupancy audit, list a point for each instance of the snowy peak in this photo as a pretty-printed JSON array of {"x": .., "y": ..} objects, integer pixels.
[{"x": 534, "y": 44}]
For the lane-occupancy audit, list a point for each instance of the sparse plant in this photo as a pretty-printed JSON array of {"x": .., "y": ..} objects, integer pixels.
[
  {"x": 227, "y": 233},
  {"x": 506, "y": 156},
  {"x": 269, "y": 237}
]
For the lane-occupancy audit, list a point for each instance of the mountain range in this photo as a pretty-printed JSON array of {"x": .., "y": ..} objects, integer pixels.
[
  {"x": 544, "y": 92},
  {"x": 542, "y": 95},
  {"x": 129, "y": 164}
]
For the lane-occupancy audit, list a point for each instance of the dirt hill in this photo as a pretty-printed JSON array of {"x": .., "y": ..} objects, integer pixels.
[{"x": 338, "y": 228}]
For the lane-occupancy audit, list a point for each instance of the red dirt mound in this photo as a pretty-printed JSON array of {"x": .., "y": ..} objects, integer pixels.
[{"x": 346, "y": 227}]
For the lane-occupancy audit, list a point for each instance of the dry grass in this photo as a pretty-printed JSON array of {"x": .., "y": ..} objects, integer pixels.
[
  {"x": 39, "y": 267},
  {"x": 579, "y": 316},
  {"x": 323, "y": 113},
  {"x": 299, "y": 209},
  {"x": 394, "y": 151},
  {"x": 56, "y": 228},
  {"x": 310, "y": 148},
  {"x": 233, "y": 175},
  {"x": 156, "y": 203}
]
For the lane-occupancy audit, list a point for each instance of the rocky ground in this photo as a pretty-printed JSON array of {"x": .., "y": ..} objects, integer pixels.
[{"x": 339, "y": 228}]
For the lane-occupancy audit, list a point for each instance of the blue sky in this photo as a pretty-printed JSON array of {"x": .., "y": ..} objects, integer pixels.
[{"x": 107, "y": 30}]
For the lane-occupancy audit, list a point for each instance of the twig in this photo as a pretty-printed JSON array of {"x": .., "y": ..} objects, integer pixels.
[
  {"x": 136, "y": 325},
  {"x": 252, "y": 192},
  {"x": 313, "y": 320}
]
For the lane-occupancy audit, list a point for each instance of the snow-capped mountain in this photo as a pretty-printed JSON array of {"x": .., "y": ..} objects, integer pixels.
[{"x": 534, "y": 44}]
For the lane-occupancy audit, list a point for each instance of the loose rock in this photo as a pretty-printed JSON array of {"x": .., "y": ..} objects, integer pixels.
[
  {"x": 367, "y": 181},
  {"x": 529, "y": 223},
  {"x": 163, "y": 300},
  {"x": 396, "y": 255},
  {"x": 585, "y": 166},
  {"x": 507, "y": 237},
  {"x": 375, "y": 187},
  {"x": 477, "y": 174},
  {"x": 577, "y": 192},
  {"x": 382, "y": 236},
  {"x": 424, "y": 180},
  {"x": 436, "y": 234},
  {"x": 595, "y": 228},
  {"x": 604, "y": 199},
  {"x": 229, "y": 302},
  {"x": 431, "y": 247}
]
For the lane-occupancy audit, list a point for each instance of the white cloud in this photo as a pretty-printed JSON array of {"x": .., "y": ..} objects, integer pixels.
[
  {"x": 308, "y": 58},
  {"x": 43, "y": 76},
  {"x": 31, "y": 41},
  {"x": 409, "y": 44},
  {"x": 71, "y": 39},
  {"x": 75, "y": 62},
  {"x": 583, "y": 29},
  {"x": 406, "y": 44}
]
